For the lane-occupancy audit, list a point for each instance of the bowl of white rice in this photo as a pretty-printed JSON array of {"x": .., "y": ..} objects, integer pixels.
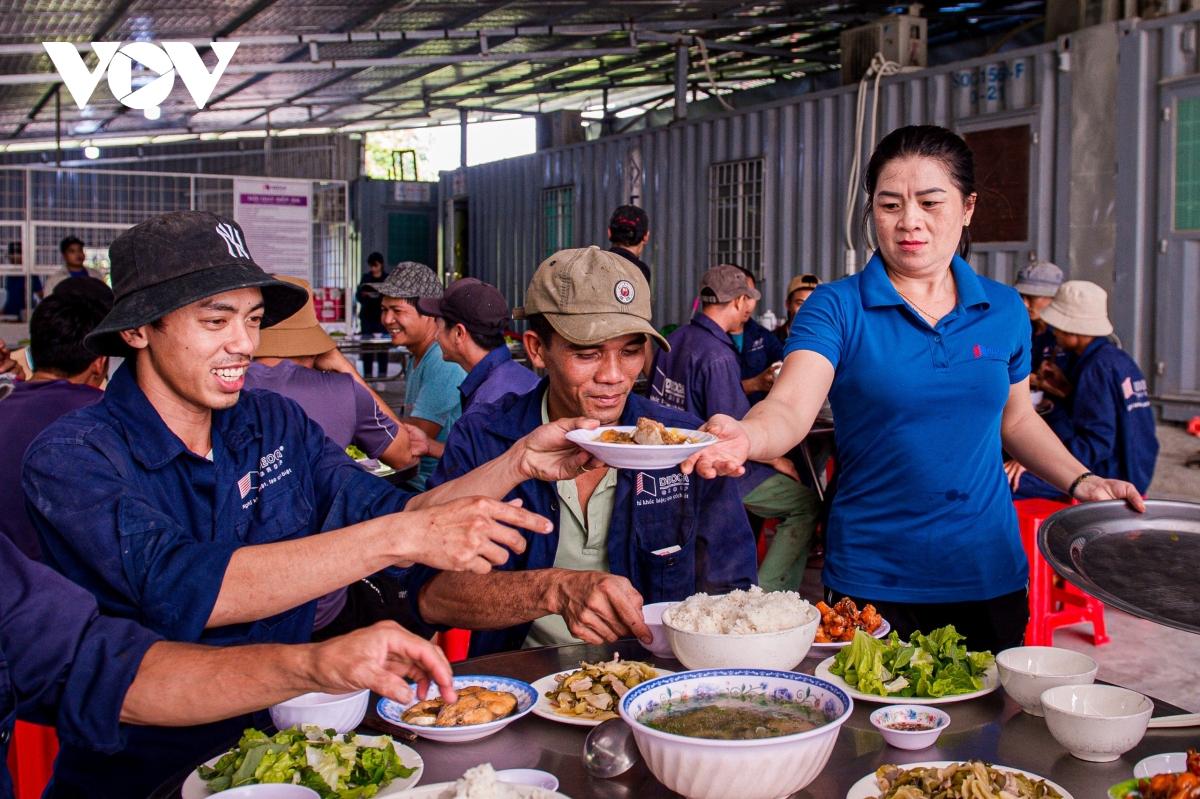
[{"x": 752, "y": 629}]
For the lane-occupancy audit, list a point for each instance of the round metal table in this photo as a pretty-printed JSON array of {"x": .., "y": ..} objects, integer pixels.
[{"x": 991, "y": 728}]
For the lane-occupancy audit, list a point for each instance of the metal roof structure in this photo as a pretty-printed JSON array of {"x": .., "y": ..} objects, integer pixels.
[{"x": 319, "y": 65}]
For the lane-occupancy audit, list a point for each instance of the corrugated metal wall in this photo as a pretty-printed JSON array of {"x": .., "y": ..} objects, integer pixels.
[
  {"x": 1157, "y": 288},
  {"x": 807, "y": 144}
]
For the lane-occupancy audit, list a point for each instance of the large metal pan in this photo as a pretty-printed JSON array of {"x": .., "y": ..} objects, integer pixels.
[{"x": 1145, "y": 564}]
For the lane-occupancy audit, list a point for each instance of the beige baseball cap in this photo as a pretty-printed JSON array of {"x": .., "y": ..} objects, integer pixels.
[
  {"x": 1079, "y": 307},
  {"x": 590, "y": 296}
]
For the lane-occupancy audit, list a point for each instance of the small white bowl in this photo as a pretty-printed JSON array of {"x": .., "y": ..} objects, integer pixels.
[
  {"x": 652, "y": 614},
  {"x": 707, "y": 768},
  {"x": 528, "y": 776},
  {"x": 393, "y": 712},
  {"x": 1167, "y": 763},
  {"x": 781, "y": 650},
  {"x": 1027, "y": 671},
  {"x": 277, "y": 790},
  {"x": 1036, "y": 397},
  {"x": 936, "y": 720},
  {"x": 338, "y": 712},
  {"x": 1098, "y": 723}
]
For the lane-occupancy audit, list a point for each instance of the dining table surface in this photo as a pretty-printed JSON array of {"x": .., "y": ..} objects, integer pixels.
[{"x": 992, "y": 728}]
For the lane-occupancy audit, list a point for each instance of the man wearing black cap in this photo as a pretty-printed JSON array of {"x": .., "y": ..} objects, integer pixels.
[
  {"x": 216, "y": 515},
  {"x": 474, "y": 315}
]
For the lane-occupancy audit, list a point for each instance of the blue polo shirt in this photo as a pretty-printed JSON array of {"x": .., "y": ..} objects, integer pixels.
[
  {"x": 61, "y": 663},
  {"x": 125, "y": 510},
  {"x": 923, "y": 512},
  {"x": 760, "y": 349},
  {"x": 1109, "y": 422},
  {"x": 431, "y": 393},
  {"x": 653, "y": 510},
  {"x": 493, "y": 377}
]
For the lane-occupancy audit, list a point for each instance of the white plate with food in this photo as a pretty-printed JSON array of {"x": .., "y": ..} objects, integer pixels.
[
  {"x": 445, "y": 790},
  {"x": 486, "y": 704},
  {"x": 991, "y": 681},
  {"x": 647, "y": 445},
  {"x": 838, "y": 624},
  {"x": 832, "y": 646},
  {"x": 621, "y": 668},
  {"x": 868, "y": 786},
  {"x": 195, "y": 788}
]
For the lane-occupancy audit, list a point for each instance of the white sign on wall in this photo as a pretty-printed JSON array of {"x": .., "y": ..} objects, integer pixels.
[{"x": 277, "y": 218}]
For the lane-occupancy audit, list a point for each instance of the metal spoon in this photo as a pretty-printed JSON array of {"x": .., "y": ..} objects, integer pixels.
[{"x": 610, "y": 750}]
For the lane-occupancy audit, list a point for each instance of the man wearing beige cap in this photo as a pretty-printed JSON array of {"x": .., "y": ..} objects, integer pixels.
[
  {"x": 620, "y": 538},
  {"x": 1109, "y": 424},
  {"x": 701, "y": 375}
]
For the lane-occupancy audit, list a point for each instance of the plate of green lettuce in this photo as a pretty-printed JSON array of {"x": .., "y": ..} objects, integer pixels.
[
  {"x": 926, "y": 670},
  {"x": 337, "y": 766}
]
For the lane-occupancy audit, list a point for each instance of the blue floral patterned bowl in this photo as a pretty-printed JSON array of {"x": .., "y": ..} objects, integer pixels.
[
  {"x": 527, "y": 697},
  {"x": 762, "y": 768},
  {"x": 910, "y": 726}
]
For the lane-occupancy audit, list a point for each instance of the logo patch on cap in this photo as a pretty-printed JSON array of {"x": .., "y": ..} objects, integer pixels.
[
  {"x": 233, "y": 241},
  {"x": 624, "y": 292}
]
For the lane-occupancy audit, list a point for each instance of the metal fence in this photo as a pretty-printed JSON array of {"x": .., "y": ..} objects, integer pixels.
[{"x": 39, "y": 207}]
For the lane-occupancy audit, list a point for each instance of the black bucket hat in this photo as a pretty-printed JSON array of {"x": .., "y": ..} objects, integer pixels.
[{"x": 175, "y": 259}]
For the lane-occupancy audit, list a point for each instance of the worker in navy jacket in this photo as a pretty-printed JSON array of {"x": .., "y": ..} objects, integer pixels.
[
  {"x": 621, "y": 538},
  {"x": 1108, "y": 422}
]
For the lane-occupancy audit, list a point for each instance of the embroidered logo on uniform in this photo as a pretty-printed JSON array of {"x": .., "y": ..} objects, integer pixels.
[
  {"x": 1137, "y": 391},
  {"x": 645, "y": 484},
  {"x": 984, "y": 351},
  {"x": 233, "y": 241},
  {"x": 270, "y": 471},
  {"x": 624, "y": 292},
  {"x": 660, "y": 490},
  {"x": 246, "y": 484}
]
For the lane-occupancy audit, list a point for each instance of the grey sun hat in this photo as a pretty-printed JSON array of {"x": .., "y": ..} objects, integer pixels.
[
  {"x": 1039, "y": 279},
  {"x": 411, "y": 279},
  {"x": 174, "y": 259},
  {"x": 1079, "y": 307}
]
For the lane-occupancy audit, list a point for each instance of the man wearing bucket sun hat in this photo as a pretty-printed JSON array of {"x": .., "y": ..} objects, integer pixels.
[
  {"x": 184, "y": 491},
  {"x": 620, "y": 538},
  {"x": 1109, "y": 423}
]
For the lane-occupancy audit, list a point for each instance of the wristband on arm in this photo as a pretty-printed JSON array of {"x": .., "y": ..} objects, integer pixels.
[{"x": 1075, "y": 485}]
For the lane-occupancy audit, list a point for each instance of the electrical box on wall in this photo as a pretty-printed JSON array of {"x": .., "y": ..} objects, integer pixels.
[{"x": 899, "y": 37}]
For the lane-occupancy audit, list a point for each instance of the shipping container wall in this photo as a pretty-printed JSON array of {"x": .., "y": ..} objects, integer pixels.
[
  {"x": 1157, "y": 288},
  {"x": 806, "y": 148}
]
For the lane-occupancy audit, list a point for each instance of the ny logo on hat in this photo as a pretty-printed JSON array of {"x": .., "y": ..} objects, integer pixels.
[{"x": 233, "y": 241}]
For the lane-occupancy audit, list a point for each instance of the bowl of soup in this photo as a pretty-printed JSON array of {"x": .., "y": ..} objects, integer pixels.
[{"x": 736, "y": 733}]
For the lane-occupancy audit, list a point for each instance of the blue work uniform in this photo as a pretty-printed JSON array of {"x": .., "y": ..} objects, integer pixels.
[
  {"x": 702, "y": 375},
  {"x": 61, "y": 662},
  {"x": 125, "y": 510},
  {"x": 493, "y": 377},
  {"x": 1110, "y": 423},
  {"x": 923, "y": 513},
  {"x": 653, "y": 510},
  {"x": 1043, "y": 347},
  {"x": 760, "y": 349}
]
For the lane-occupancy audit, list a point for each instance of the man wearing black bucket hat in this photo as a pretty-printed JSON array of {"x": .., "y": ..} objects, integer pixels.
[{"x": 216, "y": 515}]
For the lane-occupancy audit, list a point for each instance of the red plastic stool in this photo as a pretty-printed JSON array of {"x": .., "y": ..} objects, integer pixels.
[
  {"x": 31, "y": 759},
  {"x": 1053, "y": 602},
  {"x": 764, "y": 544},
  {"x": 455, "y": 643}
]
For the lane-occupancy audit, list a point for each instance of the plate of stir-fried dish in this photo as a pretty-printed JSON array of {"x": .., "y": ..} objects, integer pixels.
[
  {"x": 647, "y": 445},
  {"x": 946, "y": 779},
  {"x": 1175, "y": 785}
]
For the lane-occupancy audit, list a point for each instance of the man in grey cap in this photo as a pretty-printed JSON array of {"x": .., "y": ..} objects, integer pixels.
[
  {"x": 701, "y": 374},
  {"x": 620, "y": 538},
  {"x": 431, "y": 399},
  {"x": 215, "y": 515},
  {"x": 1036, "y": 283}
]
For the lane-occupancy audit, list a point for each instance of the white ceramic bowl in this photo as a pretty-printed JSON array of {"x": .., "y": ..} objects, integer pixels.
[
  {"x": 528, "y": 776},
  {"x": 339, "y": 712},
  {"x": 640, "y": 456},
  {"x": 1036, "y": 397},
  {"x": 652, "y": 614},
  {"x": 1096, "y": 722},
  {"x": 527, "y": 697},
  {"x": 1027, "y": 671},
  {"x": 936, "y": 720},
  {"x": 1166, "y": 763},
  {"x": 277, "y": 790},
  {"x": 703, "y": 768},
  {"x": 776, "y": 650}
]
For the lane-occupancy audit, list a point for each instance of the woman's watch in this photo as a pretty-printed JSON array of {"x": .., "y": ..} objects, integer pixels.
[{"x": 1075, "y": 485}]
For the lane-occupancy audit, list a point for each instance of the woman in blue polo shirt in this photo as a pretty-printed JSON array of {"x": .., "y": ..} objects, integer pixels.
[{"x": 926, "y": 365}]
